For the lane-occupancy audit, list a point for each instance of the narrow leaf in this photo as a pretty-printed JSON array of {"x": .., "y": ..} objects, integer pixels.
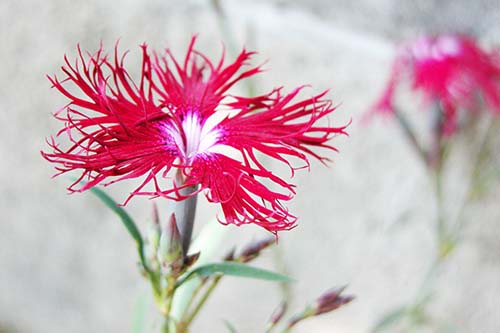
[
  {"x": 122, "y": 214},
  {"x": 130, "y": 225},
  {"x": 235, "y": 269}
]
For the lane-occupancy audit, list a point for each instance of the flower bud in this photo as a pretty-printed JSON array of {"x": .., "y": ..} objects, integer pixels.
[
  {"x": 327, "y": 302},
  {"x": 277, "y": 314},
  {"x": 153, "y": 237},
  {"x": 154, "y": 232},
  {"x": 230, "y": 255},
  {"x": 152, "y": 240},
  {"x": 330, "y": 301},
  {"x": 253, "y": 250},
  {"x": 170, "y": 250}
]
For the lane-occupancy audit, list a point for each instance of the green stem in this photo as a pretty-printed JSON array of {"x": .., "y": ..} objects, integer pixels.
[
  {"x": 189, "y": 303},
  {"x": 307, "y": 313},
  {"x": 447, "y": 237},
  {"x": 425, "y": 288},
  {"x": 280, "y": 264},
  {"x": 184, "y": 214},
  {"x": 150, "y": 274},
  {"x": 164, "y": 301},
  {"x": 436, "y": 151},
  {"x": 435, "y": 166},
  {"x": 459, "y": 221},
  {"x": 440, "y": 219},
  {"x": 410, "y": 135},
  {"x": 188, "y": 319},
  {"x": 166, "y": 326}
]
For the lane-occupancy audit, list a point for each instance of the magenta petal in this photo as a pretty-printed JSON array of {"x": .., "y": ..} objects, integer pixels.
[{"x": 118, "y": 129}]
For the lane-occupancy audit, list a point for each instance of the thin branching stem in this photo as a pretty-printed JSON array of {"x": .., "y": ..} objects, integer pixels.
[
  {"x": 190, "y": 316},
  {"x": 409, "y": 132},
  {"x": 482, "y": 144}
]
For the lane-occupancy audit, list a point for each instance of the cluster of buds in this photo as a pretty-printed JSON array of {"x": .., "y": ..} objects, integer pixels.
[
  {"x": 251, "y": 251},
  {"x": 331, "y": 300},
  {"x": 164, "y": 252},
  {"x": 277, "y": 315},
  {"x": 327, "y": 302}
]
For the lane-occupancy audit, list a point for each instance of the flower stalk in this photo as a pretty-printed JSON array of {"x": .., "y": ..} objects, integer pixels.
[
  {"x": 409, "y": 133},
  {"x": 327, "y": 302},
  {"x": 276, "y": 316},
  {"x": 189, "y": 316},
  {"x": 185, "y": 211}
]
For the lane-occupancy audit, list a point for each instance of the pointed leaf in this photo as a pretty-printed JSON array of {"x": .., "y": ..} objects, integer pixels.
[
  {"x": 122, "y": 214},
  {"x": 235, "y": 269},
  {"x": 129, "y": 224}
]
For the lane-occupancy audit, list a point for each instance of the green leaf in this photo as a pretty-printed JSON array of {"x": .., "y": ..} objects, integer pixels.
[
  {"x": 122, "y": 214},
  {"x": 235, "y": 269},
  {"x": 229, "y": 327},
  {"x": 390, "y": 319},
  {"x": 129, "y": 224}
]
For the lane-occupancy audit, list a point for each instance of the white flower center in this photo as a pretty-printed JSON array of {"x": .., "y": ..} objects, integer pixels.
[
  {"x": 193, "y": 137},
  {"x": 443, "y": 47}
]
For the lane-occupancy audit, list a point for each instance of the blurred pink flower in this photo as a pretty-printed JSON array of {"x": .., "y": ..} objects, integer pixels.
[
  {"x": 451, "y": 70},
  {"x": 181, "y": 117}
]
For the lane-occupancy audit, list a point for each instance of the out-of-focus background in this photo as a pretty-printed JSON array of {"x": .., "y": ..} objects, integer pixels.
[{"x": 67, "y": 265}]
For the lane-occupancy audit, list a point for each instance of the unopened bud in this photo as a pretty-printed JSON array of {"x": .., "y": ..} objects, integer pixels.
[
  {"x": 170, "y": 250},
  {"x": 230, "y": 255},
  {"x": 152, "y": 240},
  {"x": 154, "y": 231},
  {"x": 327, "y": 302},
  {"x": 253, "y": 250},
  {"x": 277, "y": 314},
  {"x": 155, "y": 215},
  {"x": 153, "y": 237},
  {"x": 330, "y": 301}
]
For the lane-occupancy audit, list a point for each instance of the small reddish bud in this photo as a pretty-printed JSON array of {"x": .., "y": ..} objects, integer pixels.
[
  {"x": 327, "y": 302},
  {"x": 278, "y": 314},
  {"x": 230, "y": 256},
  {"x": 154, "y": 232},
  {"x": 155, "y": 215},
  {"x": 253, "y": 250},
  {"x": 331, "y": 300}
]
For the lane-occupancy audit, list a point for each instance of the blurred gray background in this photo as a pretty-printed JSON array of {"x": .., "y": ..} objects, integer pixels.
[{"x": 67, "y": 265}]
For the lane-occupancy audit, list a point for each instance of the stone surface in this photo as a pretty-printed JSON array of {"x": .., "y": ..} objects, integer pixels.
[{"x": 365, "y": 221}]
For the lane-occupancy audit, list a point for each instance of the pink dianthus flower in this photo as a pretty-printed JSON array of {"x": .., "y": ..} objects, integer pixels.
[
  {"x": 180, "y": 119},
  {"x": 451, "y": 70}
]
